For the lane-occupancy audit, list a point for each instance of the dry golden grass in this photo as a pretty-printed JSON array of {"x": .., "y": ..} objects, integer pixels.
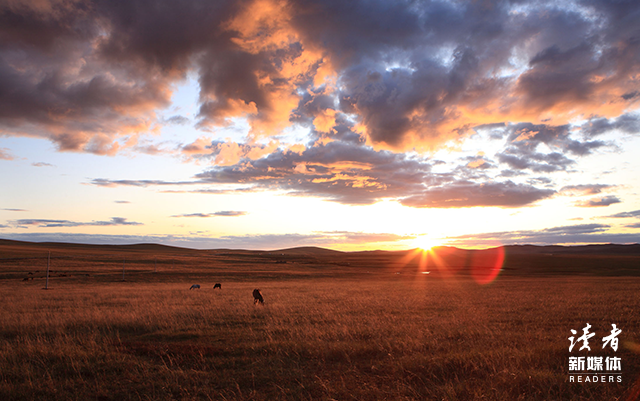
[{"x": 332, "y": 338}]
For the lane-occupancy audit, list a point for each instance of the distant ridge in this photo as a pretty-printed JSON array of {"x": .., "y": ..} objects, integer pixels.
[
  {"x": 309, "y": 250},
  {"x": 103, "y": 247},
  {"x": 617, "y": 249},
  {"x": 602, "y": 249}
]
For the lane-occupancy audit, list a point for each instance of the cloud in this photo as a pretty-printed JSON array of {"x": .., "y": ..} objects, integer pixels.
[
  {"x": 525, "y": 139},
  {"x": 584, "y": 189},
  {"x": 42, "y": 164},
  {"x": 103, "y": 182},
  {"x": 179, "y": 120},
  {"x": 634, "y": 213},
  {"x": 576, "y": 234},
  {"x": 364, "y": 80},
  {"x": 44, "y": 223},
  {"x": 632, "y": 225},
  {"x": 467, "y": 194},
  {"x": 353, "y": 173},
  {"x": 338, "y": 171},
  {"x": 5, "y": 154},
  {"x": 87, "y": 75},
  {"x": 599, "y": 202},
  {"x": 16, "y": 210},
  {"x": 626, "y": 123},
  {"x": 121, "y": 201},
  {"x": 231, "y": 213}
]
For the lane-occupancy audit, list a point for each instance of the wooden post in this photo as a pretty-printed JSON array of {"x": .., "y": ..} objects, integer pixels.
[{"x": 46, "y": 286}]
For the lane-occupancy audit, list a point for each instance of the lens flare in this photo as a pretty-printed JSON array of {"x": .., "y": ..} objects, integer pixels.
[{"x": 486, "y": 264}]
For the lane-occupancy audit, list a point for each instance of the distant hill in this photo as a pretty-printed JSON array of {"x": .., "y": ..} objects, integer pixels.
[
  {"x": 18, "y": 258},
  {"x": 309, "y": 250}
]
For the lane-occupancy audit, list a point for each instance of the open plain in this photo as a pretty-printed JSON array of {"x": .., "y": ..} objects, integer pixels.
[{"x": 363, "y": 326}]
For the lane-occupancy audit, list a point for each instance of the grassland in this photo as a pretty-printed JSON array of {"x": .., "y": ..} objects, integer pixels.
[{"x": 329, "y": 330}]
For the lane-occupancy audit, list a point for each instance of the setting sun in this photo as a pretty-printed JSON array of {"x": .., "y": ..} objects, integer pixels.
[{"x": 425, "y": 242}]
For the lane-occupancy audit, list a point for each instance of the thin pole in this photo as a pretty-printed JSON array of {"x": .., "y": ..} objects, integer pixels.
[
  {"x": 123, "y": 260},
  {"x": 46, "y": 286}
]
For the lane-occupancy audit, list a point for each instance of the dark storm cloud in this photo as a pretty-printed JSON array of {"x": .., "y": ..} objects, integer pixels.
[
  {"x": 44, "y": 223},
  {"x": 227, "y": 213}
]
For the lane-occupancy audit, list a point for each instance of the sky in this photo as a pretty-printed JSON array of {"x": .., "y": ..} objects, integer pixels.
[{"x": 350, "y": 125}]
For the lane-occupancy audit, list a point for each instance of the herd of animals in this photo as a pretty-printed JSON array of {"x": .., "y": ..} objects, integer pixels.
[{"x": 257, "y": 295}]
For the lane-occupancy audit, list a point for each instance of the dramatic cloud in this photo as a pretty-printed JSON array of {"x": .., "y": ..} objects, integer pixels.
[
  {"x": 227, "y": 213},
  {"x": 352, "y": 173},
  {"x": 599, "y": 202},
  {"x": 92, "y": 75},
  {"x": 43, "y": 223},
  {"x": 342, "y": 99}
]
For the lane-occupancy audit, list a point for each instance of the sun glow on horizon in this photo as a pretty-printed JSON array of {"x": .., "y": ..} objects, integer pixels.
[{"x": 425, "y": 242}]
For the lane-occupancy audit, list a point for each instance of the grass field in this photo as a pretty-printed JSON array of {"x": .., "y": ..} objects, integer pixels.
[{"x": 318, "y": 336}]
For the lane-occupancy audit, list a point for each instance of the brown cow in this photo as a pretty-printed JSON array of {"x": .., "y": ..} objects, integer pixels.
[{"x": 257, "y": 296}]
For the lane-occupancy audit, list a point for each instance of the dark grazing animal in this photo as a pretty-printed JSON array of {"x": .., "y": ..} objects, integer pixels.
[
  {"x": 217, "y": 285},
  {"x": 257, "y": 297},
  {"x": 195, "y": 287}
]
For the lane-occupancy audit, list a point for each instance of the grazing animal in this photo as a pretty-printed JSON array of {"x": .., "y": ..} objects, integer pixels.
[
  {"x": 195, "y": 287},
  {"x": 257, "y": 297},
  {"x": 217, "y": 285}
]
